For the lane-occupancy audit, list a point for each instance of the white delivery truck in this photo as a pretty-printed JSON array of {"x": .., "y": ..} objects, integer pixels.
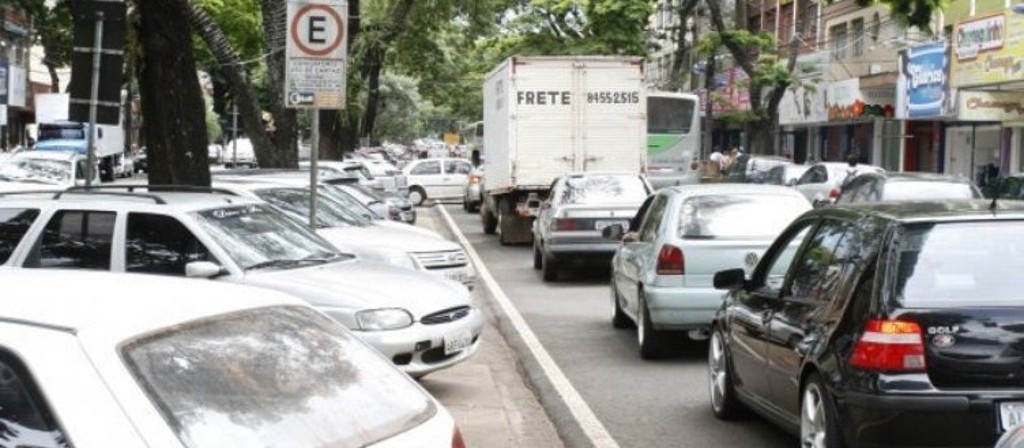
[
  {"x": 549, "y": 116},
  {"x": 56, "y": 133}
]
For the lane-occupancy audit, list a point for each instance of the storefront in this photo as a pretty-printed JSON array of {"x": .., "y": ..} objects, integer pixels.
[
  {"x": 801, "y": 112},
  {"x": 985, "y": 67},
  {"x": 860, "y": 117}
]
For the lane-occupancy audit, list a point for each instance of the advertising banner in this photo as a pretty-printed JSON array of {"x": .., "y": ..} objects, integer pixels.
[
  {"x": 922, "y": 89},
  {"x": 17, "y": 86},
  {"x": 988, "y": 50},
  {"x": 804, "y": 104},
  {"x": 990, "y": 106}
]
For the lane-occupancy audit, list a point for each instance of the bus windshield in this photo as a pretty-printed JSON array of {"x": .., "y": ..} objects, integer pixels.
[
  {"x": 666, "y": 115},
  {"x": 61, "y": 132}
]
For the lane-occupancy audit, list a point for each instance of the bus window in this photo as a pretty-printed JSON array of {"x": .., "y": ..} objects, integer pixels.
[{"x": 667, "y": 115}]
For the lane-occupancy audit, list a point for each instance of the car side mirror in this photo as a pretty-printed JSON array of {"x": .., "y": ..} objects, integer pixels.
[
  {"x": 730, "y": 279},
  {"x": 613, "y": 232},
  {"x": 791, "y": 183},
  {"x": 545, "y": 205},
  {"x": 821, "y": 203},
  {"x": 631, "y": 237},
  {"x": 203, "y": 269}
]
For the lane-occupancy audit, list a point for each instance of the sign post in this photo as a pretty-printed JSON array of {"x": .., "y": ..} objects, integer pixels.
[{"x": 315, "y": 68}]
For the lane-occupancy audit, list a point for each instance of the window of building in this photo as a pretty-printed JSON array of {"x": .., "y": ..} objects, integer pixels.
[
  {"x": 858, "y": 37},
  {"x": 838, "y": 37}
]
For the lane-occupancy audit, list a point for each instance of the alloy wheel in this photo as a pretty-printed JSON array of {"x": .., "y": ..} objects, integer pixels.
[
  {"x": 717, "y": 371},
  {"x": 813, "y": 427}
]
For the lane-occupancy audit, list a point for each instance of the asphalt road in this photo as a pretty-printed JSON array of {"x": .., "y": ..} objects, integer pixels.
[{"x": 641, "y": 403}]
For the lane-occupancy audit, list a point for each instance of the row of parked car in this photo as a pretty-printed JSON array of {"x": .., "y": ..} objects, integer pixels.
[
  {"x": 861, "y": 308},
  {"x": 275, "y": 333}
]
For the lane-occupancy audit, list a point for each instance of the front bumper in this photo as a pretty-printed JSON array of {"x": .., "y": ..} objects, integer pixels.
[
  {"x": 934, "y": 420},
  {"x": 682, "y": 308},
  {"x": 420, "y": 349}
]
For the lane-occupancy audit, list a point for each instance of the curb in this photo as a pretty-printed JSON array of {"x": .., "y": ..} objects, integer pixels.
[{"x": 573, "y": 419}]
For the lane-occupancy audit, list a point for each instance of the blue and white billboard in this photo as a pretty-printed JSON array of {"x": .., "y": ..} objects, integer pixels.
[{"x": 922, "y": 90}]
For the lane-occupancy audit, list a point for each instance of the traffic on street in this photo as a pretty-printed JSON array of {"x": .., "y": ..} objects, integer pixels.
[{"x": 511, "y": 224}]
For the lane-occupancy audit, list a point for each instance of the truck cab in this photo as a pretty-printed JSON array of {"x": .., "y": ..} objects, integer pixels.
[{"x": 71, "y": 136}]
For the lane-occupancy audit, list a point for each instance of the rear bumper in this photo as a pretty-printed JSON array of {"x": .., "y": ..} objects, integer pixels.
[
  {"x": 580, "y": 243},
  {"x": 906, "y": 420},
  {"x": 678, "y": 308}
]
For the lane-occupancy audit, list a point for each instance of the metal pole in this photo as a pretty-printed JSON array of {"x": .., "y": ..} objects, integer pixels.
[
  {"x": 97, "y": 48},
  {"x": 234, "y": 134},
  {"x": 314, "y": 156}
]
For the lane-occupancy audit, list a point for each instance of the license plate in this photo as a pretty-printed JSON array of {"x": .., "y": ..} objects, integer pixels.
[
  {"x": 456, "y": 276},
  {"x": 457, "y": 342},
  {"x": 600, "y": 225},
  {"x": 406, "y": 216},
  {"x": 1011, "y": 414}
]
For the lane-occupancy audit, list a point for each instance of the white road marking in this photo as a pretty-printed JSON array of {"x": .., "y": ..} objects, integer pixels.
[{"x": 581, "y": 412}]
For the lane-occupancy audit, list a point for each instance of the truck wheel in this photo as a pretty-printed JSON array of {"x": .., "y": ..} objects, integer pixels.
[
  {"x": 505, "y": 218},
  {"x": 488, "y": 219}
]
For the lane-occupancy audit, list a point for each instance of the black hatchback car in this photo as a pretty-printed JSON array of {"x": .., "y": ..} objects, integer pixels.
[{"x": 880, "y": 325}]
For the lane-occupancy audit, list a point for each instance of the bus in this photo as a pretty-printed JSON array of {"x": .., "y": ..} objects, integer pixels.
[
  {"x": 673, "y": 137},
  {"x": 473, "y": 138}
]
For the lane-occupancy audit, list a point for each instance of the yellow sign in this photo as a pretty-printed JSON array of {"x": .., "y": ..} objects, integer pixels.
[
  {"x": 988, "y": 50},
  {"x": 451, "y": 139},
  {"x": 990, "y": 106}
]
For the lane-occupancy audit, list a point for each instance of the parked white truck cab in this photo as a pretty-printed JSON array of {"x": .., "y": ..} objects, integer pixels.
[{"x": 548, "y": 116}]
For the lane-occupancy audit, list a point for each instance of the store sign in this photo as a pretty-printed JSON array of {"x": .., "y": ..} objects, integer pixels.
[
  {"x": 922, "y": 89},
  {"x": 990, "y": 106},
  {"x": 989, "y": 50},
  {"x": 804, "y": 104},
  {"x": 977, "y": 36},
  {"x": 844, "y": 101},
  {"x": 731, "y": 93},
  {"x": 17, "y": 86}
]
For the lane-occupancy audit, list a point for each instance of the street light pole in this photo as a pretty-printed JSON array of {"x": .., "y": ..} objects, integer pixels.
[{"x": 234, "y": 134}]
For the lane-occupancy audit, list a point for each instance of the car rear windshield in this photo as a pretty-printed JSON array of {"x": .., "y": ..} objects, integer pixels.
[
  {"x": 281, "y": 377},
  {"x": 738, "y": 215},
  {"x": 961, "y": 264},
  {"x": 603, "y": 189},
  {"x": 908, "y": 191},
  {"x": 14, "y": 224}
]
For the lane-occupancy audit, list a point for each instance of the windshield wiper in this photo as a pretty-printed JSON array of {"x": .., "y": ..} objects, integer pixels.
[{"x": 274, "y": 264}]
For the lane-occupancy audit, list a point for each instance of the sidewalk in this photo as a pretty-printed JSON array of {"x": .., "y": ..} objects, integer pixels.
[{"x": 486, "y": 394}]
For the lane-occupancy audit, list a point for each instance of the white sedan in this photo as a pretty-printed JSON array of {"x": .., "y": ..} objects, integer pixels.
[{"x": 194, "y": 364}]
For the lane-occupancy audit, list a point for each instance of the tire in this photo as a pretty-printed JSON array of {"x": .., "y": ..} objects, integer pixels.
[
  {"x": 819, "y": 421},
  {"x": 619, "y": 318},
  {"x": 724, "y": 402},
  {"x": 417, "y": 196},
  {"x": 504, "y": 213},
  {"x": 651, "y": 342},
  {"x": 489, "y": 221},
  {"x": 538, "y": 256},
  {"x": 465, "y": 205},
  {"x": 549, "y": 268}
]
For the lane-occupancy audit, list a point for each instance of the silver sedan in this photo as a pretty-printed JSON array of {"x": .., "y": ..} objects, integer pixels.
[
  {"x": 568, "y": 226},
  {"x": 662, "y": 272}
]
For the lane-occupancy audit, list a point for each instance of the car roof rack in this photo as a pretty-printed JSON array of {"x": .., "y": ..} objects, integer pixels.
[
  {"x": 130, "y": 188},
  {"x": 27, "y": 192},
  {"x": 80, "y": 190}
]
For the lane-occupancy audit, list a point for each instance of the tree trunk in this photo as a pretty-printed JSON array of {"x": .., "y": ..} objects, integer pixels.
[
  {"x": 242, "y": 91},
  {"x": 337, "y": 128},
  {"x": 54, "y": 78},
  {"x": 681, "y": 55},
  {"x": 284, "y": 131},
  {"x": 172, "y": 103},
  {"x": 374, "y": 63}
]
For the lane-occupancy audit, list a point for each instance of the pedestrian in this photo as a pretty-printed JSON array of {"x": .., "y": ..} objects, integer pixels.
[{"x": 717, "y": 160}]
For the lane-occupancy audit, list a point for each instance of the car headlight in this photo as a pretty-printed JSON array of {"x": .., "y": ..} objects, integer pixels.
[
  {"x": 395, "y": 257},
  {"x": 383, "y": 319}
]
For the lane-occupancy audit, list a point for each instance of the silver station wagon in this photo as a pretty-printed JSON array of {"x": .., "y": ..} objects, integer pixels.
[{"x": 662, "y": 272}]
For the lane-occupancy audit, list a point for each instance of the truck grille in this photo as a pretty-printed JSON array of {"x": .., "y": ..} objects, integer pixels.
[
  {"x": 445, "y": 316},
  {"x": 441, "y": 259}
]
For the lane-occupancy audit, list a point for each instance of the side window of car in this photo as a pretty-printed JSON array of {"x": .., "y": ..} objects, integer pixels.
[
  {"x": 649, "y": 228},
  {"x": 14, "y": 224},
  {"x": 457, "y": 167},
  {"x": 426, "y": 168},
  {"x": 812, "y": 176},
  {"x": 25, "y": 417},
  {"x": 158, "y": 244},
  {"x": 818, "y": 271},
  {"x": 872, "y": 192},
  {"x": 773, "y": 274},
  {"x": 75, "y": 239},
  {"x": 774, "y": 176},
  {"x": 638, "y": 219},
  {"x": 851, "y": 193}
]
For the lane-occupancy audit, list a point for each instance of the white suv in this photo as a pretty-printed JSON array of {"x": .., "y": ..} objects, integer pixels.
[{"x": 421, "y": 322}]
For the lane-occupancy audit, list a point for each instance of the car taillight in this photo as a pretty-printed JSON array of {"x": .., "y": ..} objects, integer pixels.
[
  {"x": 473, "y": 180},
  {"x": 671, "y": 261},
  {"x": 567, "y": 224},
  {"x": 891, "y": 346},
  {"x": 833, "y": 194},
  {"x": 457, "y": 441}
]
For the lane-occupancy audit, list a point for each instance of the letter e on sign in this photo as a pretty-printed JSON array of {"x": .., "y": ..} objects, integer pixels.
[{"x": 317, "y": 30}]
